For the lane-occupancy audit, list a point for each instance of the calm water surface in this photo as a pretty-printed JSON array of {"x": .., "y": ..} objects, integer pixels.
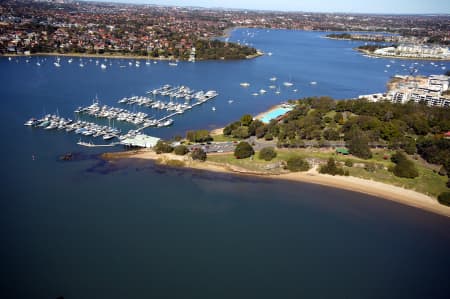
[{"x": 89, "y": 229}]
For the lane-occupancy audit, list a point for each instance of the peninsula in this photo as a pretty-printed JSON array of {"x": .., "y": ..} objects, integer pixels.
[{"x": 391, "y": 150}]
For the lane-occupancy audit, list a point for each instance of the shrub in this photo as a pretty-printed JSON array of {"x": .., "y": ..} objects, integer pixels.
[
  {"x": 442, "y": 171},
  {"x": 349, "y": 163},
  {"x": 268, "y": 137},
  {"x": 370, "y": 167},
  {"x": 163, "y": 147},
  {"x": 181, "y": 150},
  {"x": 175, "y": 163},
  {"x": 444, "y": 198},
  {"x": 243, "y": 150},
  {"x": 297, "y": 163},
  {"x": 331, "y": 168},
  {"x": 198, "y": 154},
  {"x": 267, "y": 153},
  {"x": 404, "y": 168}
]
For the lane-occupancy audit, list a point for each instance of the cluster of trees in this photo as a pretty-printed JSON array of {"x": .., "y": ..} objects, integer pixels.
[
  {"x": 358, "y": 123},
  {"x": 245, "y": 127},
  {"x": 181, "y": 150},
  {"x": 198, "y": 136},
  {"x": 340, "y": 35},
  {"x": 371, "y": 48},
  {"x": 332, "y": 168},
  {"x": 216, "y": 49}
]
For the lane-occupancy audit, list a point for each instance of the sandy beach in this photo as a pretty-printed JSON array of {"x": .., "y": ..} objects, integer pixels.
[{"x": 381, "y": 190}]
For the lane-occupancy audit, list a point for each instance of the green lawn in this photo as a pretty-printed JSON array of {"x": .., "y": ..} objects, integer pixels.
[{"x": 223, "y": 138}]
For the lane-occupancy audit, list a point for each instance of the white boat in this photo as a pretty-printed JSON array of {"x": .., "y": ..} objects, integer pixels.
[
  {"x": 254, "y": 94},
  {"x": 213, "y": 108},
  {"x": 173, "y": 63},
  {"x": 166, "y": 123},
  {"x": 70, "y": 60},
  {"x": 108, "y": 136},
  {"x": 288, "y": 84},
  {"x": 245, "y": 84},
  {"x": 262, "y": 91},
  {"x": 273, "y": 79},
  {"x": 313, "y": 83},
  {"x": 230, "y": 101},
  {"x": 270, "y": 53},
  {"x": 31, "y": 122},
  {"x": 103, "y": 66},
  {"x": 81, "y": 65},
  {"x": 38, "y": 63},
  {"x": 56, "y": 64}
]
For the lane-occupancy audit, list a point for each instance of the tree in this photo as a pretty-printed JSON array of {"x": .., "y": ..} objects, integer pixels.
[
  {"x": 246, "y": 120},
  {"x": 358, "y": 143},
  {"x": 267, "y": 153},
  {"x": 444, "y": 198},
  {"x": 297, "y": 163},
  {"x": 198, "y": 154},
  {"x": 260, "y": 132},
  {"x": 163, "y": 147},
  {"x": 331, "y": 134},
  {"x": 243, "y": 150},
  {"x": 181, "y": 150},
  {"x": 404, "y": 168},
  {"x": 240, "y": 132},
  {"x": 331, "y": 168},
  {"x": 254, "y": 126},
  {"x": 228, "y": 129}
]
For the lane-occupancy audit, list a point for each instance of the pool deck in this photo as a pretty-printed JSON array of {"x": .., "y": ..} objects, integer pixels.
[{"x": 281, "y": 107}]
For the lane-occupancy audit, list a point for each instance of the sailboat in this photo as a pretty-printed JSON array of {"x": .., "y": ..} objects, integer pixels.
[
  {"x": 173, "y": 63},
  {"x": 56, "y": 63}
]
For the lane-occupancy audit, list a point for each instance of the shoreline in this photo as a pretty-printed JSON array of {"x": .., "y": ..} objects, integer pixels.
[
  {"x": 114, "y": 56},
  {"x": 369, "y": 187},
  {"x": 368, "y": 53}
]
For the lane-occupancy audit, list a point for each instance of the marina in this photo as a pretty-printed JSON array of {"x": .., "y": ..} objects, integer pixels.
[{"x": 139, "y": 119}]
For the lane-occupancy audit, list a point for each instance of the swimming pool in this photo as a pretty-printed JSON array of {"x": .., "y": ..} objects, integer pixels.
[{"x": 267, "y": 117}]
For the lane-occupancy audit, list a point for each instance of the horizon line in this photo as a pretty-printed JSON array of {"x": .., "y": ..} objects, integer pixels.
[{"x": 266, "y": 10}]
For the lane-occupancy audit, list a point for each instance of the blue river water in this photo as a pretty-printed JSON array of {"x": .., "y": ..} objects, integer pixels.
[{"x": 129, "y": 229}]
